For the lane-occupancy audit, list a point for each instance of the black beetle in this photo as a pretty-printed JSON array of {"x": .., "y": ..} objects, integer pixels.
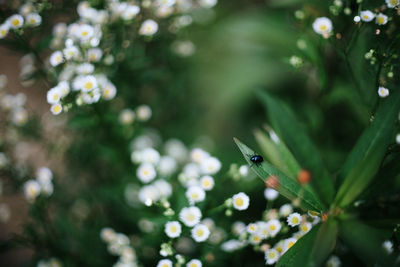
[{"x": 256, "y": 159}]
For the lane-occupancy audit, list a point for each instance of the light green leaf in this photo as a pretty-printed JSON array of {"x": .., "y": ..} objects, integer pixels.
[
  {"x": 325, "y": 242},
  {"x": 288, "y": 187},
  {"x": 293, "y": 133},
  {"x": 366, "y": 242},
  {"x": 365, "y": 159}
]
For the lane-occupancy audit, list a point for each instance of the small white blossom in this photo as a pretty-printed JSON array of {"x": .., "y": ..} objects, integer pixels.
[
  {"x": 143, "y": 112},
  {"x": 34, "y": 19},
  {"x": 195, "y": 194},
  {"x": 200, "y": 233},
  {"x": 109, "y": 91},
  {"x": 271, "y": 256},
  {"x": 207, "y": 182},
  {"x": 305, "y": 227},
  {"x": 150, "y": 155},
  {"x": 210, "y": 166},
  {"x": 274, "y": 226},
  {"x": 56, "y": 109},
  {"x": 271, "y": 194},
  {"x": 148, "y": 28},
  {"x": 381, "y": 19},
  {"x": 241, "y": 201},
  {"x": 167, "y": 165},
  {"x": 127, "y": 116},
  {"x": 56, "y": 58},
  {"x": 16, "y": 21},
  {"x": 294, "y": 219},
  {"x": 31, "y": 190},
  {"x": 252, "y": 228},
  {"x": 94, "y": 54},
  {"x": 244, "y": 170},
  {"x": 190, "y": 216},
  {"x": 194, "y": 263},
  {"x": 173, "y": 229},
  {"x": 288, "y": 243},
  {"x": 333, "y": 261},
  {"x": 367, "y": 15},
  {"x": 392, "y": 3},
  {"x": 255, "y": 239},
  {"x": 54, "y": 95},
  {"x": 88, "y": 83},
  {"x": 164, "y": 263},
  {"x": 146, "y": 172},
  {"x": 285, "y": 210},
  {"x": 322, "y": 26},
  {"x": 198, "y": 155},
  {"x": 85, "y": 32},
  {"x": 383, "y": 92},
  {"x": 388, "y": 246},
  {"x": 4, "y": 28}
]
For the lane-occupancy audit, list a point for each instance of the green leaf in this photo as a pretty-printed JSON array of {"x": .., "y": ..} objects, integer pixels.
[
  {"x": 288, "y": 187},
  {"x": 325, "y": 242},
  {"x": 292, "y": 131},
  {"x": 366, "y": 242},
  {"x": 365, "y": 159},
  {"x": 299, "y": 254}
]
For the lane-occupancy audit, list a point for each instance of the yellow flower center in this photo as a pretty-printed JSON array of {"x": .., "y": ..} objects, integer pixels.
[
  {"x": 381, "y": 20},
  {"x": 57, "y": 109},
  {"x": 173, "y": 229},
  {"x": 15, "y": 22},
  {"x": 295, "y": 220},
  {"x": 290, "y": 244},
  {"x": 322, "y": 27},
  {"x": 272, "y": 227},
  {"x": 239, "y": 201},
  {"x": 88, "y": 85},
  {"x": 200, "y": 232}
]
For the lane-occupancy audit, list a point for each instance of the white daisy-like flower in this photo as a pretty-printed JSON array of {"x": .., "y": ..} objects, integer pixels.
[
  {"x": 164, "y": 188},
  {"x": 194, "y": 263},
  {"x": 71, "y": 52},
  {"x": 210, "y": 166},
  {"x": 4, "y": 28},
  {"x": 143, "y": 112},
  {"x": 31, "y": 190},
  {"x": 149, "y": 194},
  {"x": 190, "y": 216},
  {"x": 381, "y": 19},
  {"x": 85, "y": 68},
  {"x": 238, "y": 228},
  {"x": 173, "y": 229},
  {"x": 109, "y": 91},
  {"x": 167, "y": 165},
  {"x": 241, "y": 201},
  {"x": 288, "y": 243},
  {"x": 148, "y": 28},
  {"x": 263, "y": 229},
  {"x": 274, "y": 226},
  {"x": 200, "y": 233},
  {"x": 383, "y": 92},
  {"x": 164, "y": 263},
  {"x": 388, "y": 246},
  {"x": 84, "y": 32},
  {"x": 94, "y": 54},
  {"x": 271, "y": 194},
  {"x": 63, "y": 88},
  {"x": 195, "y": 194},
  {"x": 16, "y": 21},
  {"x": 56, "y": 109},
  {"x": 198, "y": 155},
  {"x": 232, "y": 245},
  {"x": 88, "y": 83},
  {"x": 127, "y": 116},
  {"x": 56, "y": 58},
  {"x": 146, "y": 172},
  {"x": 150, "y": 155},
  {"x": 305, "y": 227},
  {"x": 60, "y": 29},
  {"x": 107, "y": 234},
  {"x": 47, "y": 188},
  {"x": 271, "y": 256},
  {"x": 333, "y": 261},
  {"x": 285, "y": 210},
  {"x": 255, "y": 239},
  {"x": 54, "y": 95},
  {"x": 392, "y": 3},
  {"x": 294, "y": 219},
  {"x": 44, "y": 175},
  {"x": 252, "y": 228},
  {"x": 130, "y": 12},
  {"x": 34, "y": 19},
  {"x": 26, "y": 8},
  {"x": 322, "y": 26},
  {"x": 356, "y": 19},
  {"x": 367, "y": 15},
  {"x": 207, "y": 182}
]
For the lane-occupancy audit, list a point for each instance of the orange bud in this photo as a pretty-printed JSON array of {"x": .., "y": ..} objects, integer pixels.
[
  {"x": 304, "y": 177},
  {"x": 324, "y": 217},
  {"x": 272, "y": 182},
  {"x": 210, "y": 257}
]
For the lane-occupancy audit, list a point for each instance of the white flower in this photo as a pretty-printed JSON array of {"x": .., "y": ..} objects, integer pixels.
[
  {"x": 107, "y": 234},
  {"x": 238, "y": 228},
  {"x": 271, "y": 256},
  {"x": 47, "y": 188},
  {"x": 294, "y": 219},
  {"x": 356, "y": 19},
  {"x": 381, "y": 19},
  {"x": 207, "y": 182},
  {"x": 322, "y": 26},
  {"x": 274, "y": 226},
  {"x": 255, "y": 239},
  {"x": 4, "y": 28},
  {"x": 288, "y": 243},
  {"x": 244, "y": 170},
  {"x": 208, "y": 3},
  {"x": 71, "y": 52},
  {"x": 148, "y": 27},
  {"x": 190, "y": 216},
  {"x": 149, "y": 194},
  {"x": 173, "y": 229},
  {"x": 85, "y": 32},
  {"x": 63, "y": 88},
  {"x": 198, "y": 155},
  {"x": 195, "y": 194},
  {"x": 44, "y": 175},
  {"x": 85, "y": 68},
  {"x": 164, "y": 188},
  {"x": 88, "y": 83},
  {"x": 305, "y": 227},
  {"x": 383, "y": 92},
  {"x": 109, "y": 91},
  {"x": 19, "y": 116},
  {"x": 94, "y": 54},
  {"x": 194, "y": 263},
  {"x": 26, "y": 8},
  {"x": 56, "y": 109},
  {"x": 164, "y": 263},
  {"x": 167, "y": 165},
  {"x": 130, "y": 12},
  {"x": 252, "y": 228},
  {"x": 56, "y": 58},
  {"x": 366, "y": 15},
  {"x": 60, "y": 29},
  {"x": 333, "y": 261},
  {"x": 392, "y": 3},
  {"x": 398, "y": 138},
  {"x": 34, "y": 19},
  {"x": 143, "y": 113},
  {"x": 285, "y": 210},
  {"x": 16, "y": 21},
  {"x": 31, "y": 190},
  {"x": 200, "y": 233},
  {"x": 263, "y": 229},
  {"x": 150, "y": 155},
  {"x": 210, "y": 165},
  {"x": 271, "y": 194},
  {"x": 54, "y": 95},
  {"x": 388, "y": 246},
  {"x": 166, "y": 3},
  {"x": 241, "y": 201},
  {"x": 127, "y": 116},
  {"x": 146, "y": 172},
  {"x": 232, "y": 245}
]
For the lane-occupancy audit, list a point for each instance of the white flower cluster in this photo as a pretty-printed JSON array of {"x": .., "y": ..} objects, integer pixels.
[
  {"x": 41, "y": 185},
  {"x": 28, "y": 16},
  {"x": 119, "y": 245},
  {"x": 141, "y": 113},
  {"x": 52, "y": 262},
  {"x": 13, "y": 104},
  {"x": 79, "y": 49}
]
